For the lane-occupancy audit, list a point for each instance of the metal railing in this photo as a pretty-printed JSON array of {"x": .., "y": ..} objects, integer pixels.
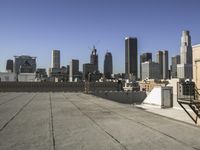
[{"x": 188, "y": 94}]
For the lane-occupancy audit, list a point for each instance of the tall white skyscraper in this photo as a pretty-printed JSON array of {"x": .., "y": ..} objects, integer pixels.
[
  {"x": 186, "y": 48},
  {"x": 184, "y": 69},
  {"x": 55, "y": 62}
]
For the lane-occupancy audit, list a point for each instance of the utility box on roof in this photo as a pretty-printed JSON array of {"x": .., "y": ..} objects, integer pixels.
[{"x": 166, "y": 97}]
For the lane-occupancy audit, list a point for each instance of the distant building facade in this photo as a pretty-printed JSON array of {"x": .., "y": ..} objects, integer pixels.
[
  {"x": 88, "y": 68},
  {"x": 74, "y": 69},
  {"x": 162, "y": 60},
  {"x": 108, "y": 65},
  {"x": 9, "y": 65},
  {"x": 184, "y": 69},
  {"x": 175, "y": 60},
  {"x": 8, "y": 76},
  {"x": 143, "y": 58},
  {"x": 94, "y": 58},
  {"x": 24, "y": 64},
  {"x": 165, "y": 65},
  {"x": 41, "y": 74},
  {"x": 159, "y": 60},
  {"x": 150, "y": 70},
  {"x": 131, "y": 57},
  {"x": 26, "y": 77},
  {"x": 196, "y": 64},
  {"x": 55, "y": 59}
]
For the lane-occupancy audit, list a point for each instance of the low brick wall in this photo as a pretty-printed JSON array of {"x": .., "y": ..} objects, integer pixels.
[{"x": 122, "y": 97}]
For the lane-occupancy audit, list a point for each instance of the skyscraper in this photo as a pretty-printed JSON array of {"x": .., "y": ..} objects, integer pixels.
[
  {"x": 74, "y": 69},
  {"x": 175, "y": 60},
  {"x": 184, "y": 69},
  {"x": 165, "y": 65},
  {"x": 162, "y": 59},
  {"x": 143, "y": 58},
  {"x": 186, "y": 48},
  {"x": 9, "y": 65},
  {"x": 159, "y": 60},
  {"x": 55, "y": 59},
  {"x": 94, "y": 58},
  {"x": 108, "y": 65},
  {"x": 131, "y": 57}
]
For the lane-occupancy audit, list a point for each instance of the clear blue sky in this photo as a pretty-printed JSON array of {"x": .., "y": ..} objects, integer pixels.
[{"x": 35, "y": 27}]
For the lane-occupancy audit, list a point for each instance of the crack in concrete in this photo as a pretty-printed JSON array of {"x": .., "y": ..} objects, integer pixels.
[
  {"x": 17, "y": 113},
  {"x": 11, "y": 99}
]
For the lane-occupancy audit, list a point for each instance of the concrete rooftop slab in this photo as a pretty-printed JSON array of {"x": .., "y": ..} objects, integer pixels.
[{"x": 76, "y": 121}]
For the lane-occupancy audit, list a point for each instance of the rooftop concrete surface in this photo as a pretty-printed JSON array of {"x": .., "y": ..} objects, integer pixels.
[
  {"x": 176, "y": 113},
  {"x": 76, "y": 121}
]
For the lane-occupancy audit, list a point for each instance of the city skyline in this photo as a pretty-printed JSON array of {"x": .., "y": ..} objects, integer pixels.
[{"x": 32, "y": 28}]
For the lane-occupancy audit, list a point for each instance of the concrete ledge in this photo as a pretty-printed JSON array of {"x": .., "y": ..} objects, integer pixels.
[{"x": 55, "y": 87}]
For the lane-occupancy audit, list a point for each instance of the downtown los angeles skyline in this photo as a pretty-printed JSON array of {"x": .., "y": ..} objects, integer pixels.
[{"x": 36, "y": 27}]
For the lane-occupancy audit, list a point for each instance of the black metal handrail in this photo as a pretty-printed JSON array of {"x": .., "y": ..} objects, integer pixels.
[
  {"x": 188, "y": 94},
  {"x": 197, "y": 94},
  {"x": 185, "y": 91}
]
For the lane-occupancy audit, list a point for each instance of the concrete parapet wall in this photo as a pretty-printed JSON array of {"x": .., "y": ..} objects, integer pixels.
[
  {"x": 122, "y": 97},
  {"x": 104, "y": 86},
  {"x": 55, "y": 87},
  {"x": 40, "y": 87}
]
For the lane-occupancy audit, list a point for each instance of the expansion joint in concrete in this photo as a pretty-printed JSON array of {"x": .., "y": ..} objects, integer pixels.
[
  {"x": 51, "y": 123},
  {"x": 123, "y": 147},
  {"x": 169, "y": 136},
  {"x": 17, "y": 113},
  {"x": 151, "y": 128}
]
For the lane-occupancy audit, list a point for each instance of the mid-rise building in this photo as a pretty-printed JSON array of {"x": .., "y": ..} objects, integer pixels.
[
  {"x": 175, "y": 60},
  {"x": 24, "y": 64},
  {"x": 9, "y": 65},
  {"x": 184, "y": 69},
  {"x": 131, "y": 57},
  {"x": 196, "y": 64},
  {"x": 143, "y": 58},
  {"x": 150, "y": 70},
  {"x": 74, "y": 70},
  {"x": 88, "y": 68},
  {"x": 108, "y": 65},
  {"x": 55, "y": 62}
]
